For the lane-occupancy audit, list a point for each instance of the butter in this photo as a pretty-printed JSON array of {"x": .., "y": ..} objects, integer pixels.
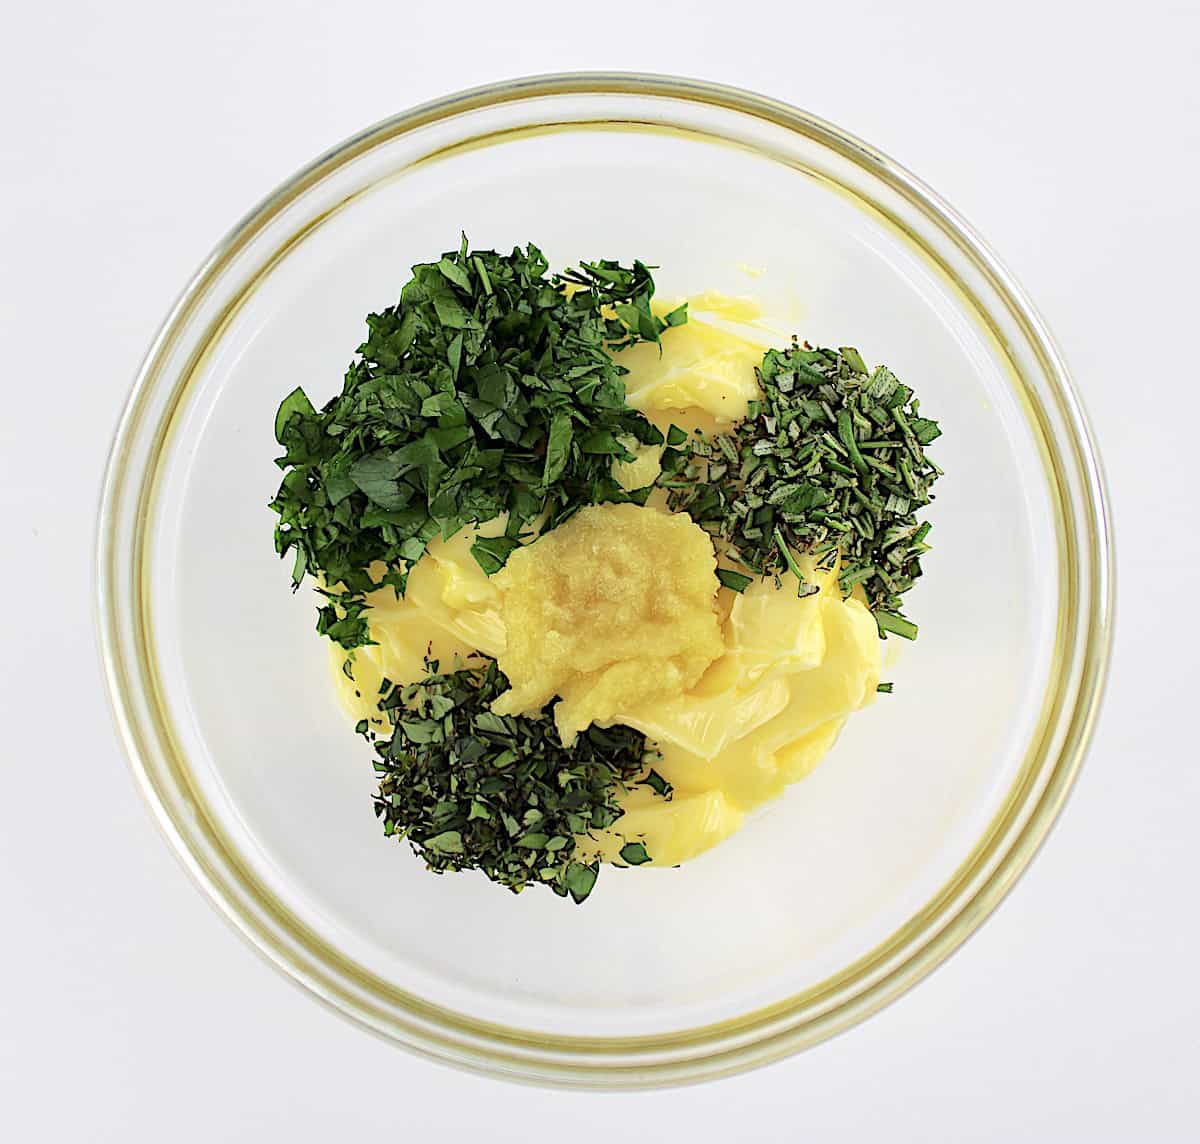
[
  {"x": 703, "y": 378},
  {"x": 615, "y": 606}
]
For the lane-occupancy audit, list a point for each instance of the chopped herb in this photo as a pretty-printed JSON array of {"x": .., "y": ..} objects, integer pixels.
[
  {"x": 579, "y": 879},
  {"x": 831, "y": 463},
  {"x": 658, "y": 784},
  {"x": 634, "y": 853},
  {"x": 469, "y": 789},
  {"x": 890, "y": 622},
  {"x": 489, "y": 388},
  {"x": 734, "y": 580}
]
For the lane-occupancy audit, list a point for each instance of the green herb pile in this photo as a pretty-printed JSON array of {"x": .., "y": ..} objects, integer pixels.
[
  {"x": 488, "y": 388},
  {"x": 832, "y": 462},
  {"x": 470, "y": 789}
]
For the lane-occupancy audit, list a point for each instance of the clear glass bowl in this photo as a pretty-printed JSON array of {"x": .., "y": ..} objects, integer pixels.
[{"x": 832, "y": 901}]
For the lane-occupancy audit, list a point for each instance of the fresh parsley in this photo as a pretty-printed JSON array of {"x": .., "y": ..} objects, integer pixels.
[{"x": 489, "y": 388}]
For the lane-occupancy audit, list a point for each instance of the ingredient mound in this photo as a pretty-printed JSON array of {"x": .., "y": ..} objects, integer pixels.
[{"x": 616, "y": 607}]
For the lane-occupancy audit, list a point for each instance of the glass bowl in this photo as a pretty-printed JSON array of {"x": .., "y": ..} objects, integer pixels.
[{"x": 834, "y": 899}]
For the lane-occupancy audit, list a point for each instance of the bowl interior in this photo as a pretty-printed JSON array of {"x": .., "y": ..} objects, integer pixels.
[{"x": 814, "y": 881}]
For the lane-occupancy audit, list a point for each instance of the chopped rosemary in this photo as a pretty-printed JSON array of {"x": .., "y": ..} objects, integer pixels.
[{"x": 831, "y": 462}]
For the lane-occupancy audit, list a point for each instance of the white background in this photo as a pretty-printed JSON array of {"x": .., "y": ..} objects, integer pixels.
[{"x": 134, "y": 134}]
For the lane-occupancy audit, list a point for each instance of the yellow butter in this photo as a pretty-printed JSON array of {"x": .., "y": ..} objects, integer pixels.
[
  {"x": 616, "y": 604},
  {"x": 643, "y": 470},
  {"x": 448, "y": 586},
  {"x": 703, "y": 378},
  {"x": 673, "y": 831}
]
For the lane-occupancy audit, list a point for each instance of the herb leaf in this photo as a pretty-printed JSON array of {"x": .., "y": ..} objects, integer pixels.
[
  {"x": 734, "y": 580},
  {"x": 658, "y": 784},
  {"x": 491, "y": 552},
  {"x": 296, "y": 403},
  {"x": 634, "y": 853}
]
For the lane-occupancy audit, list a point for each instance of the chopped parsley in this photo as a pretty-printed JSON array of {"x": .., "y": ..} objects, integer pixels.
[
  {"x": 489, "y": 388},
  {"x": 831, "y": 462}
]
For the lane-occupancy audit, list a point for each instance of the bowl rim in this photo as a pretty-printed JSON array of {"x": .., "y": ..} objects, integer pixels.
[{"x": 645, "y": 1061}]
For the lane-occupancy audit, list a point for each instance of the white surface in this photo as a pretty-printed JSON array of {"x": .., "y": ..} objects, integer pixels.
[{"x": 132, "y": 140}]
